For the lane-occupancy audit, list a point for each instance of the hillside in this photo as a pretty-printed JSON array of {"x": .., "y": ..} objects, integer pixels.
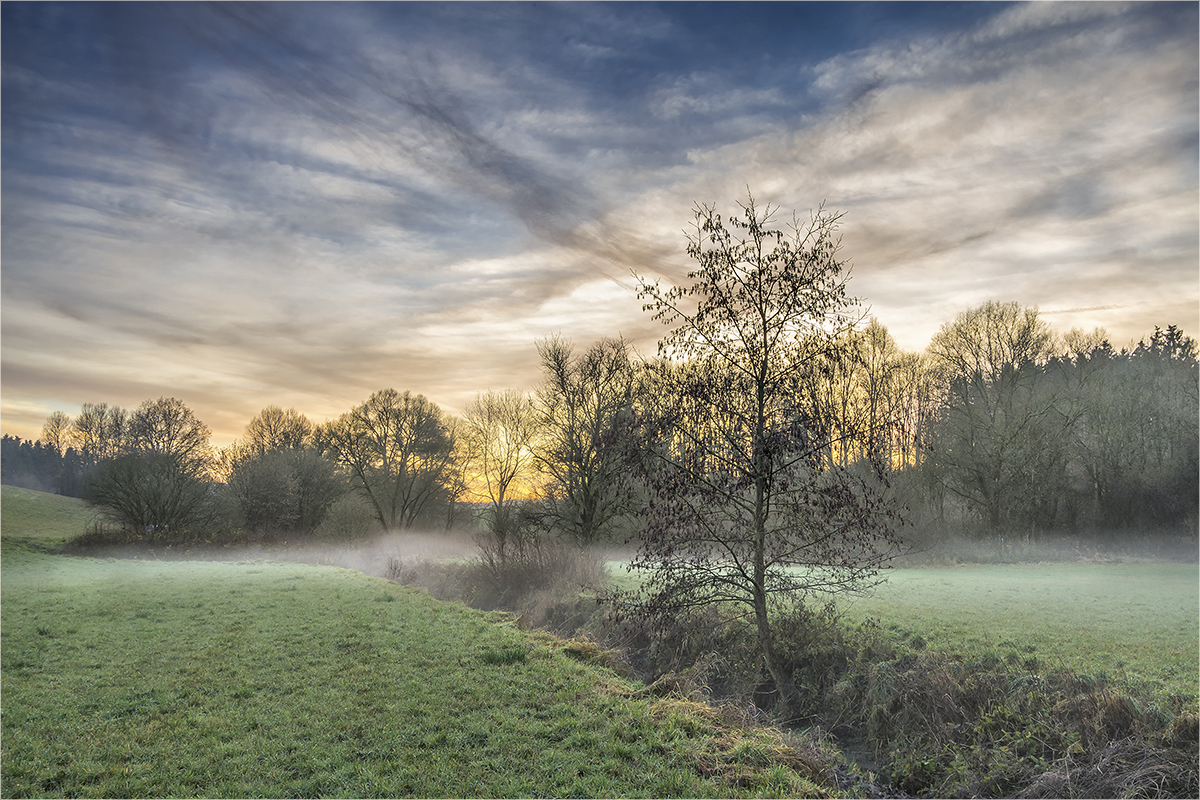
[{"x": 40, "y": 519}]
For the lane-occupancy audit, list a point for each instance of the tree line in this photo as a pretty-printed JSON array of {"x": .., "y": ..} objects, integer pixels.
[{"x": 1000, "y": 426}]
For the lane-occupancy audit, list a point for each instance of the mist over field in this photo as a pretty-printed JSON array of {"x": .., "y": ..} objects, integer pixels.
[{"x": 370, "y": 556}]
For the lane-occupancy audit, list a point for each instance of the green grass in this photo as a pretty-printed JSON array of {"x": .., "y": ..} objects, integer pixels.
[
  {"x": 1139, "y": 622},
  {"x": 143, "y": 678},
  {"x": 184, "y": 679},
  {"x": 41, "y": 521}
]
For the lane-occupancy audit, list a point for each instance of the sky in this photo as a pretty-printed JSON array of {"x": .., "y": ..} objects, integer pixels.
[{"x": 253, "y": 204}]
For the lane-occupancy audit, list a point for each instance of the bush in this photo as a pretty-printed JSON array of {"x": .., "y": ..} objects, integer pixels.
[
  {"x": 813, "y": 647},
  {"x": 976, "y": 725},
  {"x": 530, "y": 574},
  {"x": 155, "y": 497},
  {"x": 940, "y": 724},
  {"x": 708, "y": 653},
  {"x": 351, "y": 517},
  {"x": 549, "y": 585},
  {"x": 284, "y": 491}
]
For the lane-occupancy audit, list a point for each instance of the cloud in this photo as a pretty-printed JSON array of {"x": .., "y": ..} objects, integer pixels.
[
  {"x": 253, "y": 204},
  {"x": 1073, "y": 178}
]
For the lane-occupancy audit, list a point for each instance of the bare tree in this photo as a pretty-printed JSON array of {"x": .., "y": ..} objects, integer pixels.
[
  {"x": 501, "y": 427},
  {"x": 877, "y": 410},
  {"x": 276, "y": 429},
  {"x": 99, "y": 431},
  {"x": 400, "y": 449},
  {"x": 917, "y": 401},
  {"x": 1002, "y": 443},
  {"x": 877, "y": 396},
  {"x": 56, "y": 432},
  {"x": 580, "y": 403},
  {"x": 457, "y": 484},
  {"x": 743, "y": 507},
  {"x": 272, "y": 430},
  {"x": 169, "y": 427}
]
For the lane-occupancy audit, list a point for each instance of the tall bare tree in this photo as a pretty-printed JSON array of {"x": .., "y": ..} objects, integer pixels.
[
  {"x": 580, "y": 402},
  {"x": 276, "y": 429},
  {"x": 99, "y": 431},
  {"x": 502, "y": 428},
  {"x": 1002, "y": 443},
  {"x": 56, "y": 432},
  {"x": 398, "y": 447},
  {"x": 169, "y": 427},
  {"x": 457, "y": 483},
  {"x": 272, "y": 430},
  {"x": 872, "y": 392},
  {"x": 743, "y": 506}
]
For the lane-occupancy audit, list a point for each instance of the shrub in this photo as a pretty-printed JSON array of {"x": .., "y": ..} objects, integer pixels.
[
  {"x": 550, "y": 586},
  {"x": 939, "y": 723},
  {"x": 708, "y": 652},
  {"x": 156, "y": 497},
  {"x": 948, "y": 724},
  {"x": 350, "y": 517},
  {"x": 526, "y": 574},
  {"x": 284, "y": 491},
  {"x": 813, "y": 647}
]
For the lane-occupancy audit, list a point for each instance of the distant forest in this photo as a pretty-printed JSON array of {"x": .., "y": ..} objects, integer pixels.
[{"x": 1001, "y": 426}]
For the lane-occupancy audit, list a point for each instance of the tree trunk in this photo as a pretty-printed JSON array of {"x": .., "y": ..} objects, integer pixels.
[
  {"x": 766, "y": 639},
  {"x": 766, "y": 644}
]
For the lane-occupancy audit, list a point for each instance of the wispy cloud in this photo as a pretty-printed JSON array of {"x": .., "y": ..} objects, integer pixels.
[
  {"x": 244, "y": 204},
  {"x": 1068, "y": 171}
]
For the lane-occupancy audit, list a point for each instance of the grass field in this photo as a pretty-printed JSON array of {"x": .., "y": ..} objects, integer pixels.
[
  {"x": 189, "y": 678},
  {"x": 38, "y": 520},
  {"x": 145, "y": 679},
  {"x": 1138, "y": 622}
]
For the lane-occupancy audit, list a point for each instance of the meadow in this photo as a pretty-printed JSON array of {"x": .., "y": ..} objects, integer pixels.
[
  {"x": 128, "y": 678},
  {"x": 185, "y": 679},
  {"x": 41, "y": 521},
  {"x": 1136, "y": 623}
]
